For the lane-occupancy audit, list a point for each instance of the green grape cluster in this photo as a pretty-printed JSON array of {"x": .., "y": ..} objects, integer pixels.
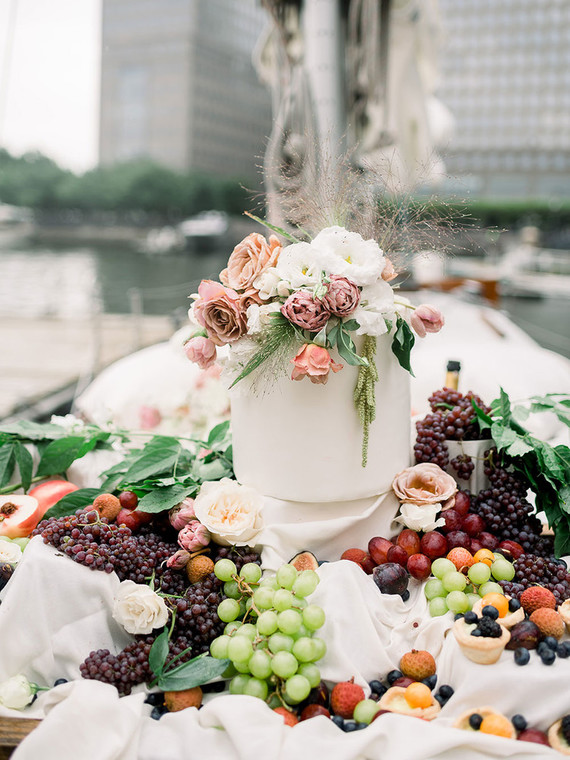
[{"x": 269, "y": 634}]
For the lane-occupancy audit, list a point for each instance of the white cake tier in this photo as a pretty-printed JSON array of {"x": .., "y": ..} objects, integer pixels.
[{"x": 299, "y": 441}]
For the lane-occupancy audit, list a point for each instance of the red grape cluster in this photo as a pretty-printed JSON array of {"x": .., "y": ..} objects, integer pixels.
[
  {"x": 124, "y": 670},
  {"x": 453, "y": 418},
  {"x": 530, "y": 569}
]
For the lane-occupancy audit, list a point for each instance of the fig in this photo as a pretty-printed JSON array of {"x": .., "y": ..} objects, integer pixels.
[
  {"x": 391, "y": 578},
  {"x": 304, "y": 561},
  {"x": 524, "y": 634}
]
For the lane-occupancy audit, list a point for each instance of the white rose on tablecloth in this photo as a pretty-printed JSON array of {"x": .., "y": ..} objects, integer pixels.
[
  {"x": 17, "y": 692},
  {"x": 347, "y": 254},
  {"x": 232, "y": 513},
  {"x": 138, "y": 608},
  {"x": 376, "y": 305},
  {"x": 10, "y": 552},
  {"x": 420, "y": 516}
]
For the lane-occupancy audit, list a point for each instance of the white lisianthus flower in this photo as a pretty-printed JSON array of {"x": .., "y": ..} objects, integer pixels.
[
  {"x": 259, "y": 317},
  {"x": 9, "y": 551},
  {"x": 69, "y": 422},
  {"x": 300, "y": 265},
  {"x": 420, "y": 516},
  {"x": 138, "y": 608},
  {"x": 17, "y": 692},
  {"x": 349, "y": 255},
  {"x": 376, "y": 305},
  {"x": 231, "y": 512},
  {"x": 267, "y": 283}
]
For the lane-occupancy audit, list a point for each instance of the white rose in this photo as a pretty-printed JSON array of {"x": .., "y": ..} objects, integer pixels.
[
  {"x": 420, "y": 516},
  {"x": 138, "y": 608},
  {"x": 9, "y": 551},
  {"x": 259, "y": 317},
  {"x": 300, "y": 265},
  {"x": 16, "y": 692},
  {"x": 232, "y": 513},
  {"x": 349, "y": 255},
  {"x": 267, "y": 283},
  {"x": 376, "y": 305}
]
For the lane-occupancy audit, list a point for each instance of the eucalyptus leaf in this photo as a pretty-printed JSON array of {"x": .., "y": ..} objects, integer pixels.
[
  {"x": 193, "y": 673},
  {"x": 158, "y": 653},
  {"x": 73, "y": 501},
  {"x": 165, "y": 498},
  {"x": 25, "y": 463},
  {"x": 59, "y": 455}
]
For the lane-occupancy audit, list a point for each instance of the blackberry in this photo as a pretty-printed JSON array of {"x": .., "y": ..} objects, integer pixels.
[{"x": 489, "y": 628}]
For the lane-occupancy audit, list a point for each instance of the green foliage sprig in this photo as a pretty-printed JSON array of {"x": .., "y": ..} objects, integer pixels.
[
  {"x": 364, "y": 393},
  {"x": 197, "y": 671},
  {"x": 277, "y": 341}
]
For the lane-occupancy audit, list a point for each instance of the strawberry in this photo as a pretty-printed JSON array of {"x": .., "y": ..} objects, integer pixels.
[{"x": 344, "y": 698}]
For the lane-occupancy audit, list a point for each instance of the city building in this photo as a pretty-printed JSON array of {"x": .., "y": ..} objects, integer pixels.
[
  {"x": 178, "y": 85},
  {"x": 505, "y": 76}
]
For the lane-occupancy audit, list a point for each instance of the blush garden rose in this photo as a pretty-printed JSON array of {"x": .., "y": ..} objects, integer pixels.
[
  {"x": 231, "y": 512},
  {"x": 139, "y": 609},
  {"x": 424, "y": 484}
]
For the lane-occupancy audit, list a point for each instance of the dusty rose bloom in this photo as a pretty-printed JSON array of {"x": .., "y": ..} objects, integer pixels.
[
  {"x": 201, "y": 351},
  {"x": 218, "y": 310},
  {"x": 249, "y": 259},
  {"x": 425, "y": 483},
  {"x": 178, "y": 560},
  {"x": 150, "y": 417},
  {"x": 182, "y": 514},
  {"x": 251, "y": 296},
  {"x": 427, "y": 319},
  {"x": 388, "y": 273},
  {"x": 305, "y": 311},
  {"x": 194, "y": 536},
  {"x": 342, "y": 297},
  {"x": 313, "y": 362}
]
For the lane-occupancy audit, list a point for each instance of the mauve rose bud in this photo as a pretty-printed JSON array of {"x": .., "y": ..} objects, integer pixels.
[
  {"x": 342, "y": 296},
  {"x": 427, "y": 319},
  {"x": 194, "y": 536},
  {"x": 201, "y": 351},
  {"x": 179, "y": 560},
  {"x": 182, "y": 514}
]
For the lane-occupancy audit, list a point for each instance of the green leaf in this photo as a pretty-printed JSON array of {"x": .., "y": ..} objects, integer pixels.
[
  {"x": 196, "y": 672},
  {"x": 552, "y": 403},
  {"x": 509, "y": 441},
  {"x": 347, "y": 350},
  {"x": 25, "y": 463},
  {"x": 320, "y": 339},
  {"x": 214, "y": 470},
  {"x": 562, "y": 540},
  {"x": 158, "y": 457},
  {"x": 505, "y": 406},
  {"x": 7, "y": 462},
  {"x": 218, "y": 433},
  {"x": 165, "y": 498},
  {"x": 351, "y": 325},
  {"x": 158, "y": 653},
  {"x": 33, "y": 431},
  {"x": 333, "y": 335},
  {"x": 59, "y": 455},
  {"x": 484, "y": 420},
  {"x": 272, "y": 227},
  {"x": 72, "y": 502},
  {"x": 402, "y": 344}
]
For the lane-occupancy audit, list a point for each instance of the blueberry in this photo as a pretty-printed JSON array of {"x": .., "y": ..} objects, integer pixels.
[
  {"x": 156, "y": 713},
  {"x": 405, "y": 595},
  {"x": 519, "y": 722},
  {"x": 360, "y": 726},
  {"x": 377, "y": 687},
  {"x": 551, "y": 642},
  {"x": 562, "y": 651},
  {"x": 393, "y": 675},
  {"x": 522, "y": 656},
  {"x": 475, "y": 632},
  {"x": 471, "y": 617},
  {"x": 214, "y": 688},
  {"x": 155, "y": 698},
  {"x": 514, "y": 605},
  {"x": 475, "y": 721},
  {"x": 440, "y": 699},
  {"x": 60, "y": 681},
  {"x": 445, "y": 691},
  {"x": 338, "y": 721},
  {"x": 542, "y": 647},
  {"x": 458, "y": 616},
  {"x": 490, "y": 611},
  {"x": 547, "y": 657},
  {"x": 349, "y": 726},
  {"x": 430, "y": 682}
]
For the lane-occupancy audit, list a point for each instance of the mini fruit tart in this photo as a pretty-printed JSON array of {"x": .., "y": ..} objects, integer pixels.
[
  {"x": 394, "y": 700},
  {"x": 482, "y": 649},
  {"x": 487, "y": 720},
  {"x": 559, "y": 734},
  {"x": 510, "y": 619},
  {"x": 564, "y": 612}
]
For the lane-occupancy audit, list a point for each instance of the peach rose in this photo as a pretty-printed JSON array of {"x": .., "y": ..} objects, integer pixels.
[
  {"x": 425, "y": 483},
  {"x": 218, "y": 310},
  {"x": 251, "y": 296},
  {"x": 313, "y": 362},
  {"x": 201, "y": 351},
  {"x": 249, "y": 259},
  {"x": 388, "y": 273},
  {"x": 427, "y": 318}
]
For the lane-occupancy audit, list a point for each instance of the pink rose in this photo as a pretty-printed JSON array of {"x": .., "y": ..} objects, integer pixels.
[
  {"x": 249, "y": 259},
  {"x": 218, "y": 310},
  {"x": 424, "y": 484},
  {"x": 179, "y": 560},
  {"x": 182, "y": 514},
  {"x": 313, "y": 362},
  {"x": 388, "y": 273},
  {"x": 305, "y": 311},
  {"x": 427, "y": 318},
  {"x": 150, "y": 417},
  {"x": 201, "y": 351},
  {"x": 251, "y": 296},
  {"x": 194, "y": 536},
  {"x": 342, "y": 296}
]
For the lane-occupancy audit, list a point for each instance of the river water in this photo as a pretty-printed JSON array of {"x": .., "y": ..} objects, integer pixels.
[{"x": 74, "y": 281}]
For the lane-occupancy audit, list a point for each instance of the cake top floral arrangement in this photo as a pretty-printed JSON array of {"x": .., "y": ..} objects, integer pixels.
[{"x": 312, "y": 305}]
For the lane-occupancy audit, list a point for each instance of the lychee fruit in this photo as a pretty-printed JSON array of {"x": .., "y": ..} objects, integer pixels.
[
  {"x": 354, "y": 555},
  {"x": 344, "y": 698},
  {"x": 180, "y": 700},
  {"x": 417, "y": 664},
  {"x": 535, "y": 597},
  {"x": 289, "y": 717},
  {"x": 549, "y": 621},
  {"x": 107, "y": 505},
  {"x": 198, "y": 568}
]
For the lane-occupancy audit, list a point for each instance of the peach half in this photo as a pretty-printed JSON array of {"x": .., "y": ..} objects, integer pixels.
[{"x": 19, "y": 515}]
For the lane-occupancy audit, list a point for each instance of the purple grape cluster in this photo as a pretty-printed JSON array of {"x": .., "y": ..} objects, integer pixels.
[
  {"x": 463, "y": 466},
  {"x": 530, "y": 569},
  {"x": 124, "y": 670}
]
